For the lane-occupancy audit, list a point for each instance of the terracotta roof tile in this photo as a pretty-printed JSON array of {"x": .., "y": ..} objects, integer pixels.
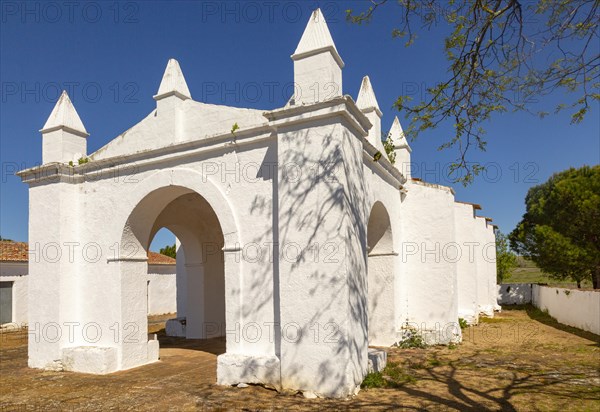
[
  {"x": 18, "y": 252},
  {"x": 158, "y": 259},
  {"x": 13, "y": 251}
]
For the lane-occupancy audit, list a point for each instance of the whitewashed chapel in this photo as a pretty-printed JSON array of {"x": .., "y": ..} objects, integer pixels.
[{"x": 297, "y": 246}]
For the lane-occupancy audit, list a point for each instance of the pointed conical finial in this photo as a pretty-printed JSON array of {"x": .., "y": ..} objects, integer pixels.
[
  {"x": 366, "y": 100},
  {"x": 397, "y": 135},
  {"x": 173, "y": 83},
  {"x": 316, "y": 38},
  {"x": 64, "y": 116}
]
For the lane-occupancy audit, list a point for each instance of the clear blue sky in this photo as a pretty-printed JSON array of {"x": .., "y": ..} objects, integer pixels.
[{"x": 111, "y": 60}]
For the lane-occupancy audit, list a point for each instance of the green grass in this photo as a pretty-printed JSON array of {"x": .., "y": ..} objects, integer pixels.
[
  {"x": 528, "y": 272},
  {"x": 544, "y": 317},
  {"x": 485, "y": 319},
  {"x": 393, "y": 376},
  {"x": 374, "y": 380}
]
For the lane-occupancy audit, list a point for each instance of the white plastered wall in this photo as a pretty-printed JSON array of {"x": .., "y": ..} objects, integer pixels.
[
  {"x": 483, "y": 256},
  {"x": 61, "y": 145},
  {"x": 514, "y": 293},
  {"x": 317, "y": 78},
  {"x": 161, "y": 293},
  {"x": 108, "y": 199},
  {"x": 490, "y": 258},
  {"x": 466, "y": 267},
  {"x": 181, "y": 281},
  {"x": 380, "y": 270},
  {"x": 328, "y": 214},
  {"x": 576, "y": 308},
  {"x": 384, "y": 268},
  {"x": 53, "y": 230},
  {"x": 428, "y": 256},
  {"x": 162, "y": 289}
]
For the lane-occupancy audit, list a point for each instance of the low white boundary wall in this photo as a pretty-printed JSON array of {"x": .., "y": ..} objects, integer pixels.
[
  {"x": 577, "y": 308},
  {"x": 162, "y": 289},
  {"x": 514, "y": 293},
  {"x": 572, "y": 307}
]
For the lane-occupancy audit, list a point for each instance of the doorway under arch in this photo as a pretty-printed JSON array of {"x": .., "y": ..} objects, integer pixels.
[
  {"x": 201, "y": 299},
  {"x": 380, "y": 269}
]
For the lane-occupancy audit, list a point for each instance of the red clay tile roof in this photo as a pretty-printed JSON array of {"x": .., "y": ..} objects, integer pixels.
[
  {"x": 13, "y": 251},
  {"x": 158, "y": 259},
  {"x": 18, "y": 252}
]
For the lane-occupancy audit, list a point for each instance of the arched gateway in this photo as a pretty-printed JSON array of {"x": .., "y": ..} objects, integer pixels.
[{"x": 282, "y": 255}]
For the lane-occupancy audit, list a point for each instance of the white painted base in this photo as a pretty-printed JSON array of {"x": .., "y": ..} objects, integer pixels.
[
  {"x": 90, "y": 359},
  {"x": 471, "y": 316},
  {"x": 486, "y": 310},
  {"x": 377, "y": 360},
  {"x": 55, "y": 366},
  {"x": 97, "y": 360},
  {"x": 153, "y": 350},
  {"x": 233, "y": 369}
]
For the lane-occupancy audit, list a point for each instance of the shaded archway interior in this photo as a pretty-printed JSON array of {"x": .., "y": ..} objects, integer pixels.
[
  {"x": 380, "y": 269},
  {"x": 200, "y": 263}
]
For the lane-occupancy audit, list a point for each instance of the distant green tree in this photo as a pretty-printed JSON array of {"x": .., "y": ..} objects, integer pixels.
[
  {"x": 560, "y": 230},
  {"x": 506, "y": 260},
  {"x": 3, "y": 239},
  {"x": 169, "y": 251}
]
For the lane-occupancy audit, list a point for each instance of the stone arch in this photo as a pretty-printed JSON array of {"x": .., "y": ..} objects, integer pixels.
[
  {"x": 197, "y": 213},
  {"x": 381, "y": 258},
  {"x": 156, "y": 191}
]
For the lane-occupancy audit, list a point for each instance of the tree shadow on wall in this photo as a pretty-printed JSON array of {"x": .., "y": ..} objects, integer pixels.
[{"x": 326, "y": 204}]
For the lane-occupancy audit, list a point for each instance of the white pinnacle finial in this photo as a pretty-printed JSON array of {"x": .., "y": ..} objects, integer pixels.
[
  {"x": 173, "y": 83},
  {"x": 316, "y": 38},
  {"x": 64, "y": 116},
  {"x": 366, "y": 100},
  {"x": 397, "y": 135}
]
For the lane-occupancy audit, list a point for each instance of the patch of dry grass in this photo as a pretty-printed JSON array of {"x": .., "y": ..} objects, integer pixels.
[{"x": 519, "y": 360}]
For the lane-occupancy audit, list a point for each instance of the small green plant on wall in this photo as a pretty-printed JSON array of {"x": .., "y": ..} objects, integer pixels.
[{"x": 388, "y": 145}]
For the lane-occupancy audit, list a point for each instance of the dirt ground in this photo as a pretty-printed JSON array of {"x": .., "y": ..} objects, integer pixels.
[{"x": 520, "y": 360}]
